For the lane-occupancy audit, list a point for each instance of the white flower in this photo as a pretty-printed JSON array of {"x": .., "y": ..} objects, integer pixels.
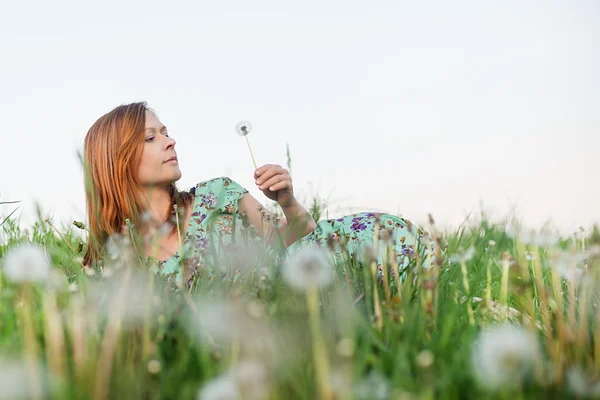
[
  {"x": 243, "y": 128},
  {"x": 14, "y": 380},
  {"x": 541, "y": 239},
  {"x": 233, "y": 321},
  {"x": 374, "y": 387},
  {"x": 309, "y": 267},
  {"x": 132, "y": 298},
  {"x": 581, "y": 384},
  {"x": 503, "y": 355},
  {"x": 252, "y": 378},
  {"x": 463, "y": 256},
  {"x": 154, "y": 367},
  {"x": 570, "y": 265},
  {"x": 222, "y": 388},
  {"x": 26, "y": 263},
  {"x": 57, "y": 280},
  {"x": 248, "y": 380}
]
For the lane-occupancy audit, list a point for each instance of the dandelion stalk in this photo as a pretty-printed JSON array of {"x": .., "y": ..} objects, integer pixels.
[
  {"x": 319, "y": 355},
  {"x": 109, "y": 342},
  {"x": 31, "y": 344},
  {"x": 377, "y": 303},
  {"x": 251, "y": 154},
  {"x": 504, "y": 284},
  {"x": 488, "y": 286},
  {"x": 55, "y": 341},
  {"x": 78, "y": 335},
  {"x": 559, "y": 314},
  {"x": 463, "y": 268}
]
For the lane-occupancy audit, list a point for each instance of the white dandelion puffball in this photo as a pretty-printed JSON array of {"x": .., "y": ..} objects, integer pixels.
[
  {"x": 252, "y": 378},
  {"x": 243, "y": 128},
  {"x": 309, "y": 267},
  {"x": 503, "y": 355},
  {"x": 14, "y": 380},
  {"x": 26, "y": 262},
  {"x": 222, "y": 388}
]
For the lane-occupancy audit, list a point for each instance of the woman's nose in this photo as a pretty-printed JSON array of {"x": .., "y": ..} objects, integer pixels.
[{"x": 170, "y": 142}]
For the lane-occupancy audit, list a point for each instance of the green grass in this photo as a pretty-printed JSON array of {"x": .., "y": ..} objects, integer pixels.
[{"x": 130, "y": 335}]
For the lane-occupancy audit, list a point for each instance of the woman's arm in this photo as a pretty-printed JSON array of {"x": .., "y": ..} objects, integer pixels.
[
  {"x": 275, "y": 182},
  {"x": 297, "y": 223}
]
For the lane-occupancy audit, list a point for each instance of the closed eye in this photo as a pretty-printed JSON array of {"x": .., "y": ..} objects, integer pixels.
[{"x": 150, "y": 138}]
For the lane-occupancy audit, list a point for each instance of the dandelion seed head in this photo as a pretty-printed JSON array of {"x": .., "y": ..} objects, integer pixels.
[
  {"x": 227, "y": 321},
  {"x": 309, "y": 267},
  {"x": 154, "y": 367},
  {"x": 57, "y": 280},
  {"x": 14, "y": 380},
  {"x": 345, "y": 347},
  {"x": 26, "y": 262},
  {"x": 503, "y": 355},
  {"x": 463, "y": 256},
  {"x": 243, "y": 128},
  {"x": 252, "y": 378},
  {"x": 134, "y": 294},
  {"x": 570, "y": 265},
  {"x": 222, "y": 388},
  {"x": 425, "y": 359},
  {"x": 374, "y": 387}
]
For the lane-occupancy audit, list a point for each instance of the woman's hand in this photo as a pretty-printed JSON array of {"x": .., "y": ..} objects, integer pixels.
[{"x": 276, "y": 183}]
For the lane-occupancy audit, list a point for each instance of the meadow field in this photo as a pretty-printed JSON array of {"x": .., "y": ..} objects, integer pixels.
[{"x": 498, "y": 312}]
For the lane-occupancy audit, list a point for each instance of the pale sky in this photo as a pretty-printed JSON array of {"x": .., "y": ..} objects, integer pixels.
[{"x": 404, "y": 107}]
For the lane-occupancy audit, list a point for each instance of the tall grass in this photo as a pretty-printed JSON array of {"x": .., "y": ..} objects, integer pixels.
[{"x": 437, "y": 329}]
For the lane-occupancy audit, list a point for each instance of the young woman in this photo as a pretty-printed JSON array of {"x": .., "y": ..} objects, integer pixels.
[{"x": 131, "y": 169}]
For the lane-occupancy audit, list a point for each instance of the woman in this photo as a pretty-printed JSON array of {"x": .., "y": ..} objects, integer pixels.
[{"x": 131, "y": 169}]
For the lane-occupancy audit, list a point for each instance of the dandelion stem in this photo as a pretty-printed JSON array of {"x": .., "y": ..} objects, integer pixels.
[
  {"x": 251, "y": 154},
  {"x": 504, "y": 286},
  {"x": 463, "y": 269},
  {"x": 31, "y": 345},
  {"x": 319, "y": 355},
  {"x": 55, "y": 342}
]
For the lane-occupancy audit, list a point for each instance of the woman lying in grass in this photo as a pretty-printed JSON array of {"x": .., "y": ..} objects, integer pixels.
[{"x": 131, "y": 169}]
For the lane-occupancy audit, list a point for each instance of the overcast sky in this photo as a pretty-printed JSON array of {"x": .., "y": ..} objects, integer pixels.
[{"x": 404, "y": 107}]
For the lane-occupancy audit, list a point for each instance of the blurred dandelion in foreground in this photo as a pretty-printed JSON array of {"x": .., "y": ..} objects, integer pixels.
[
  {"x": 248, "y": 380},
  {"x": 310, "y": 267},
  {"x": 375, "y": 386},
  {"x": 307, "y": 270},
  {"x": 229, "y": 321},
  {"x": 132, "y": 297},
  {"x": 581, "y": 384},
  {"x": 243, "y": 128},
  {"x": 26, "y": 262},
  {"x": 463, "y": 256},
  {"x": 571, "y": 265},
  {"x": 14, "y": 380},
  {"x": 503, "y": 355},
  {"x": 222, "y": 388},
  {"x": 540, "y": 239}
]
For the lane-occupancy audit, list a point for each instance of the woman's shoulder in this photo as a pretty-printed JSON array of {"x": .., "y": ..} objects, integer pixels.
[
  {"x": 221, "y": 192},
  {"x": 215, "y": 184}
]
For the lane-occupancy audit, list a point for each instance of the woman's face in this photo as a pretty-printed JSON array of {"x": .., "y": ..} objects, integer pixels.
[{"x": 158, "y": 166}]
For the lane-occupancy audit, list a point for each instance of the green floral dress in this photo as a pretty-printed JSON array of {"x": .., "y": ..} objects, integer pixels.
[{"x": 216, "y": 229}]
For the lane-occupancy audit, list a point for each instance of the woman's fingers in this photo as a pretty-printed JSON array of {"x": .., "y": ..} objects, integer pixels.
[
  {"x": 281, "y": 185},
  {"x": 269, "y": 184},
  {"x": 274, "y": 171}
]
